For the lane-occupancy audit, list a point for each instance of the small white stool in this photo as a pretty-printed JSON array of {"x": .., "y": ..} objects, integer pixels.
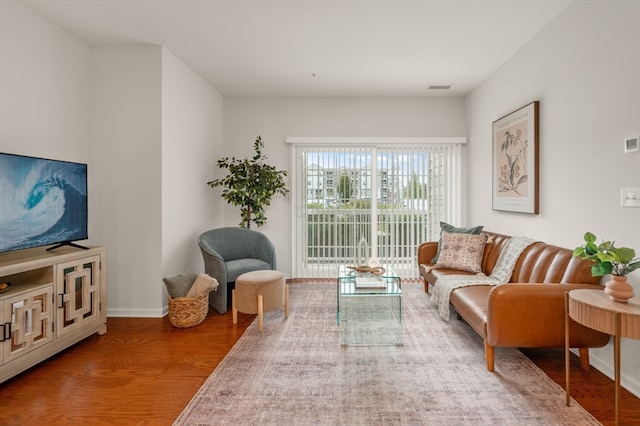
[{"x": 258, "y": 292}]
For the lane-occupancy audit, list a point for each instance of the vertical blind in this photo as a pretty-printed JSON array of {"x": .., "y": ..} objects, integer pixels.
[{"x": 356, "y": 201}]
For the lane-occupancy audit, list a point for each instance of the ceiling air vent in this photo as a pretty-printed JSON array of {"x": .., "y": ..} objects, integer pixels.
[{"x": 439, "y": 87}]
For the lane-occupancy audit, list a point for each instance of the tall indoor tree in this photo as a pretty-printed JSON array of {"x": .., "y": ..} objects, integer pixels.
[{"x": 250, "y": 184}]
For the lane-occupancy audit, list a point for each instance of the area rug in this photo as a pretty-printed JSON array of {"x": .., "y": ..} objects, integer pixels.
[{"x": 296, "y": 373}]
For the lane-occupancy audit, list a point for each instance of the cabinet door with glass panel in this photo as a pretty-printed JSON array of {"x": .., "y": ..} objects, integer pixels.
[
  {"x": 27, "y": 321},
  {"x": 78, "y": 294}
]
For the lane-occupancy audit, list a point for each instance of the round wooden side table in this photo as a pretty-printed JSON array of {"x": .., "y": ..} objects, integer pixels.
[{"x": 596, "y": 310}]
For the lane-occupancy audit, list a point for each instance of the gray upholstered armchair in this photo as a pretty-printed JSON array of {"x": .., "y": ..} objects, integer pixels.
[{"x": 230, "y": 252}]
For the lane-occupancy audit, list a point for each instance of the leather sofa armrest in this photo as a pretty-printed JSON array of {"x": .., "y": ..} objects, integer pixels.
[
  {"x": 426, "y": 252},
  {"x": 532, "y": 315}
]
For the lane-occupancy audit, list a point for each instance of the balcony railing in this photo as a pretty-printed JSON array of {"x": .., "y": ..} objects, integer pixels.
[{"x": 333, "y": 234}]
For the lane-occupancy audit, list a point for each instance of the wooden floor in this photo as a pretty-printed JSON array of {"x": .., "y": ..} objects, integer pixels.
[{"x": 144, "y": 372}]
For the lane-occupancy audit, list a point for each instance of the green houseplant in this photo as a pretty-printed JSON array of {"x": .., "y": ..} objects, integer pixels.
[
  {"x": 250, "y": 184},
  {"x": 609, "y": 259}
]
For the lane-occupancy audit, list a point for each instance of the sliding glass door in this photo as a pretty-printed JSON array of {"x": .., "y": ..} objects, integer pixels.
[{"x": 377, "y": 199}]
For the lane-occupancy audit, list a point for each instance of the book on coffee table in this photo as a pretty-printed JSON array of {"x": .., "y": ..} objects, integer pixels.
[{"x": 370, "y": 282}]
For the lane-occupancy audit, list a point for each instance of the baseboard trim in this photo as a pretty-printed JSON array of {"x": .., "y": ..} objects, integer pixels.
[
  {"x": 605, "y": 366},
  {"x": 137, "y": 313}
]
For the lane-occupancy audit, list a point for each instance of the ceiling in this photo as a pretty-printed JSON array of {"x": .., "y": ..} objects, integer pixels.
[{"x": 318, "y": 47}]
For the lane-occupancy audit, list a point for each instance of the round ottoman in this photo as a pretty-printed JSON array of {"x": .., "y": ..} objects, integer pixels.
[{"x": 258, "y": 292}]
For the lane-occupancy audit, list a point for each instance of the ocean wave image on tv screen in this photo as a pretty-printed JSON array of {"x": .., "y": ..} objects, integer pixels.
[{"x": 42, "y": 202}]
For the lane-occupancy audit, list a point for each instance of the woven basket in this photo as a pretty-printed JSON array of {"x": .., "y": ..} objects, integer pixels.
[{"x": 188, "y": 311}]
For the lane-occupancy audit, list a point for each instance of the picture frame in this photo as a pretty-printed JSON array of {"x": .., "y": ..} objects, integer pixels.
[{"x": 516, "y": 141}]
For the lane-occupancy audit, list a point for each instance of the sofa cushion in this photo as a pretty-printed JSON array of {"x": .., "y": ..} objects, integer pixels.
[
  {"x": 431, "y": 274},
  {"x": 471, "y": 303},
  {"x": 462, "y": 251},
  {"x": 445, "y": 227}
]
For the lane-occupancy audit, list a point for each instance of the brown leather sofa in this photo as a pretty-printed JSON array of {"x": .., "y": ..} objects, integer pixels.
[{"x": 529, "y": 311}]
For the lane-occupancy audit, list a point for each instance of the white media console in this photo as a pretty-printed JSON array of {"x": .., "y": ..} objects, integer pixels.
[{"x": 56, "y": 299}]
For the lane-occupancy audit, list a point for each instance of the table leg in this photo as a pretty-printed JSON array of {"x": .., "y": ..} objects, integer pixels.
[
  {"x": 567, "y": 356},
  {"x": 338, "y": 303},
  {"x": 616, "y": 363}
]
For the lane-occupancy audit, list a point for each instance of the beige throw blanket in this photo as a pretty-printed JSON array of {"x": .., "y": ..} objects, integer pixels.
[{"x": 501, "y": 274}]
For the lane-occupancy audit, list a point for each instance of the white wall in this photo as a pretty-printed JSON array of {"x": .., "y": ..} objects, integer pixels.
[
  {"x": 275, "y": 118},
  {"x": 44, "y": 87},
  {"x": 584, "y": 70},
  {"x": 156, "y": 127},
  {"x": 127, "y": 180},
  {"x": 191, "y": 142},
  {"x": 149, "y": 129}
]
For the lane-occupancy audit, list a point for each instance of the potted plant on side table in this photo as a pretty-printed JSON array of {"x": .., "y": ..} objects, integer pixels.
[{"x": 609, "y": 259}]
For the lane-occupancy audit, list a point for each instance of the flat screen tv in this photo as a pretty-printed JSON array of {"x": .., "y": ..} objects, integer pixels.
[{"x": 42, "y": 202}]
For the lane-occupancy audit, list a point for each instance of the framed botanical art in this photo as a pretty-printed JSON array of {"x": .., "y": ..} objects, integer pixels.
[{"x": 515, "y": 160}]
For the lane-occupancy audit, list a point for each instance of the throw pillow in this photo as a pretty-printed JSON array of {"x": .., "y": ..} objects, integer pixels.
[
  {"x": 462, "y": 251},
  {"x": 179, "y": 285},
  {"x": 445, "y": 227},
  {"x": 203, "y": 283}
]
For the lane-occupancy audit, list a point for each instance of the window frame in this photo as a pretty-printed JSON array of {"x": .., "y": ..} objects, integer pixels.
[{"x": 452, "y": 210}]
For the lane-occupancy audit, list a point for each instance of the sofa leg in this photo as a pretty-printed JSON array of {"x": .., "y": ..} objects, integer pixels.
[
  {"x": 426, "y": 285},
  {"x": 584, "y": 358},
  {"x": 488, "y": 353}
]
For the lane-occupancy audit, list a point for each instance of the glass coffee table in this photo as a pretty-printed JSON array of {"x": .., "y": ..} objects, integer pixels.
[{"x": 369, "y": 308}]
